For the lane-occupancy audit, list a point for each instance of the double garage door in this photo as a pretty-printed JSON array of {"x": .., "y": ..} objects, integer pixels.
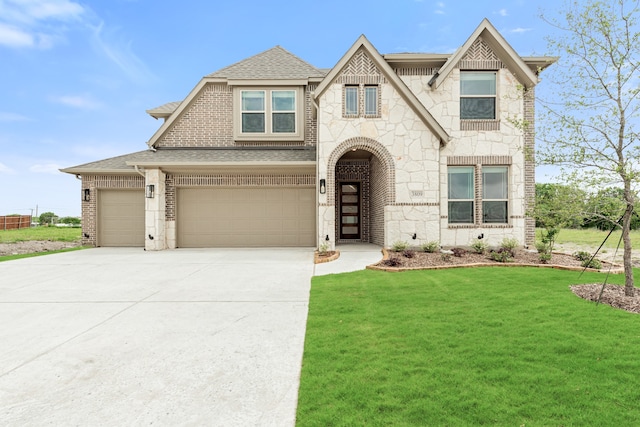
[{"x": 245, "y": 217}]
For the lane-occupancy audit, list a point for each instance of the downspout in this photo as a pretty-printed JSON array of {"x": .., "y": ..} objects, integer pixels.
[{"x": 138, "y": 171}]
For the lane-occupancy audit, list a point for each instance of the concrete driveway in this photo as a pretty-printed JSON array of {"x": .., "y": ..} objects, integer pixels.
[{"x": 125, "y": 337}]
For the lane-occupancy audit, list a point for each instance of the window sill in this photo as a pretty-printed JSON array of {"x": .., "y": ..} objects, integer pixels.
[
  {"x": 453, "y": 226},
  {"x": 486, "y": 125},
  {"x": 268, "y": 138}
]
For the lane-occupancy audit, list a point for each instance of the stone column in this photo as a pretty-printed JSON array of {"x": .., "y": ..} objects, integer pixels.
[{"x": 155, "y": 235}]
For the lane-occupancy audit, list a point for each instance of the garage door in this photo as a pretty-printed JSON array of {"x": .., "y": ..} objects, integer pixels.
[
  {"x": 245, "y": 217},
  {"x": 120, "y": 218}
]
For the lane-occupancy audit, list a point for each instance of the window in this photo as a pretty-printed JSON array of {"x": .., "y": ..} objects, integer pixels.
[
  {"x": 351, "y": 100},
  {"x": 273, "y": 114},
  {"x": 284, "y": 111},
  {"x": 371, "y": 100},
  {"x": 253, "y": 111},
  {"x": 494, "y": 194},
  {"x": 361, "y": 101},
  {"x": 461, "y": 195},
  {"x": 477, "y": 95}
]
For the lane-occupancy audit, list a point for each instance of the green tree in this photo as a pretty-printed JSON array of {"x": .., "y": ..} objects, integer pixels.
[
  {"x": 71, "y": 220},
  {"x": 590, "y": 127},
  {"x": 47, "y": 218}
]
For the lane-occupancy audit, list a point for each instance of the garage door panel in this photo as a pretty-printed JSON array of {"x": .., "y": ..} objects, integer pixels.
[
  {"x": 121, "y": 218},
  {"x": 245, "y": 217}
]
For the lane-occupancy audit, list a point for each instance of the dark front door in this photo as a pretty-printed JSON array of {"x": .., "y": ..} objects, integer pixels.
[{"x": 350, "y": 210}]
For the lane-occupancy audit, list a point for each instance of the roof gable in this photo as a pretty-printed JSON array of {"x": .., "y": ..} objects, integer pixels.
[
  {"x": 499, "y": 47},
  {"x": 364, "y": 46},
  {"x": 275, "y": 63}
]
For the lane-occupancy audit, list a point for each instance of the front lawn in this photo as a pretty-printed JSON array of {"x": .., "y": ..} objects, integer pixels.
[
  {"x": 58, "y": 234},
  {"x": 479, "y": 346}
]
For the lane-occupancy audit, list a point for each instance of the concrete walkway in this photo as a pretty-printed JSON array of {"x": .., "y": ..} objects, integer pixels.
[
  {"x": 353, "y": 257},
  {"x": 117, "y": 337}
]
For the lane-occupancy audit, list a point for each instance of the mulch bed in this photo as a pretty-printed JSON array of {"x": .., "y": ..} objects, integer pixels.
[{"x": 613, "y": 295}]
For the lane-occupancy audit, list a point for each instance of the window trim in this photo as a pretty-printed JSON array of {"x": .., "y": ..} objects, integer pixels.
[
  {"x": 494, "y": 96},
  {"x": 269, "y": 134},
  {"x": 361, "y": 101},
  {"x": 478, "y": 196},
  {"x": 376, "y": 113},
  {"x": 346, "y": 90}
]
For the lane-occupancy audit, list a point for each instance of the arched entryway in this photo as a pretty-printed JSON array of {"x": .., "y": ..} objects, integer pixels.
[{"x": 361, "y": 182}]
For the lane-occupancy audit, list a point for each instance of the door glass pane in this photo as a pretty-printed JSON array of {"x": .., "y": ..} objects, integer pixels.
[
  {"x": 348, "y": 198},
  {"x": 349, "y": 188},
  {"x": 350, "y": 209},
  {"x": 349, "y": 230},
  {"x": 349, "y": 219}
]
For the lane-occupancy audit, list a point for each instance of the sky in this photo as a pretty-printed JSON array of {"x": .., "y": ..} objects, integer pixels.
[{"x": 77, "y": 76}]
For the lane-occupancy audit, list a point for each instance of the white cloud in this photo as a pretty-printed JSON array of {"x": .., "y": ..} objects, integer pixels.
[
  {"x": 51, "y": 168},
  {"x": 12, "y": 117},
  {"x": 83, "y": 102},
  {"x": 502, "y": 12},
  {"x": 35, "y": 23},
  {"x": 520, "y": 30},
  {"x": 5, "y": 169}
]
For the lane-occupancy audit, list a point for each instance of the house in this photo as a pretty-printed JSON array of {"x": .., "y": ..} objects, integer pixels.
[{"x": 272, "y": 151}]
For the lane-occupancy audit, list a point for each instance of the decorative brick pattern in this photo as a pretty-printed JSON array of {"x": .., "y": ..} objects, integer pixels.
[
  {"x": 482, "y": 125},
  {"x": 243, "y": 180},
  {"x": 479, "y": 160},
  {"x": 416, "y": 71},
  {"x": 90, "y": 208},
  {"x": 480, "y": 57},
  {"x": 355, "y": 171},
  {"x": 375, "y": 148},
  {"x": 378, "y": 191},
  {"x": 529, "y": 165},
  {"x": 170, "y": 198},
  {"x": 361, "y": 70}
]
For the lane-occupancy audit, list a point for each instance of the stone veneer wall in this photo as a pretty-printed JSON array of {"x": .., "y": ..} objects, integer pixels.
[
  {"x": 208, "y": 122},
  {"x": 90, "y": 209},
  {"x": 377, "y": 202},
  {"x": 355, "y": 171}
]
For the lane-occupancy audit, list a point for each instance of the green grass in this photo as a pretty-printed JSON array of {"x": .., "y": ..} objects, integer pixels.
[
  {"x": 31, "y": 255},
  {"x": 593, "y": 237},
  {"x": 62, "y": 234},
  {"x": 467, "y": 347}
]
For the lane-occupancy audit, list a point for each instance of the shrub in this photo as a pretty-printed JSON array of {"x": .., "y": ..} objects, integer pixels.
[
  {"x": 592, "y": 263},
  {"x": 501, "y": 255},
  {"x": 582, "y": 256},
  {"x": 433, "y": 246},
  {"x": 392, "y": 262},
  {"x": 542, "y": 248},
  {"x": 323, "y": 249},
  {"x": 408, "y": 253},
  {"x": 446, "y": 256},
  {"x": 509, "y": 244},
  {"x": 544, "y": 257},
  {"x": 399, "y": 246},
  {"x": 479, "y": 247},
  {"x": 458, "y": 252}
]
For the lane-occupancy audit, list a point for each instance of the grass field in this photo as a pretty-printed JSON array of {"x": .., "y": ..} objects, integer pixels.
[
  {"x": 463, "y": 347},
  {"x": 62, "y": 234},
  {"x": 593, "y": 237}
]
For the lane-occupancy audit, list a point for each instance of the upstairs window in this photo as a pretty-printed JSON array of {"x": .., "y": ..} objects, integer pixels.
[
  {"x": 371, "y": 100},
  {"x": 478, "y": 95},
  {"x": 269, "y": 114},
  {"x": 351, "y": 101}
]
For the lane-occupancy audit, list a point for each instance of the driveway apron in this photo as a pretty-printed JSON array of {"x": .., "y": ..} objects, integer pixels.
[{"x": 115, "y": 336}]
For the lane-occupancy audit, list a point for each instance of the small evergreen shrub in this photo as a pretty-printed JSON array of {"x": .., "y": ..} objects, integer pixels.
[
  {"x": 501, "y": 255},
  {"x": 592, "y": 263},
  {"x": 431, "y": 247},
  {"x": 509, "y": 244},
  {"x": 479, "y": 247},
  {"x": 323, "y": 249},
  {"x": 445, "y": 256},
  {"x": 544, "y": 257},
  {"x": 399, "y": 246},
  {"x": 582, "y": 256}
]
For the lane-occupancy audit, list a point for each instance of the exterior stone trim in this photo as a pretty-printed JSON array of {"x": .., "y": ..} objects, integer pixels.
[
  {"x": 415, "y": 204},
  {"x": 375, "y": 148},
  {"x": 529, "y": 165},
  {"x": 479, "y": 160},
  {"x": 476, "y": 226}
]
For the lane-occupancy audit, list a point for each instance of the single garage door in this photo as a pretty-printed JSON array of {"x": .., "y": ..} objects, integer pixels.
[
  {"x": 121, "y": 218},
  {"x": 245, "y": 217}
]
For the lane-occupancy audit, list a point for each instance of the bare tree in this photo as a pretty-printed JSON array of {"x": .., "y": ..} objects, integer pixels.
[{"x": 590, "y": 127}]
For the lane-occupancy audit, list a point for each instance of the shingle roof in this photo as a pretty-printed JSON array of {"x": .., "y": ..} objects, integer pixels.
[
  {"x": 275, "y": 63},
  {"x": 195, "y": 157},
  {"x": 164, "y": 110}
]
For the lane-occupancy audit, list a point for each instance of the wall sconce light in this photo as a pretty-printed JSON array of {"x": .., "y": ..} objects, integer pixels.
[
  {"x": 327, "y": 238},
  {"x": 323, "y": 186},
  {"x": 148, "y": 193},
  {"x": 415, "y": 236},
  {"x": 86, "y": 195}
]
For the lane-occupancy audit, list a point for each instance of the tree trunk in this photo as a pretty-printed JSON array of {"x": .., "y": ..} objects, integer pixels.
[{"x": 629, "y": 289}]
